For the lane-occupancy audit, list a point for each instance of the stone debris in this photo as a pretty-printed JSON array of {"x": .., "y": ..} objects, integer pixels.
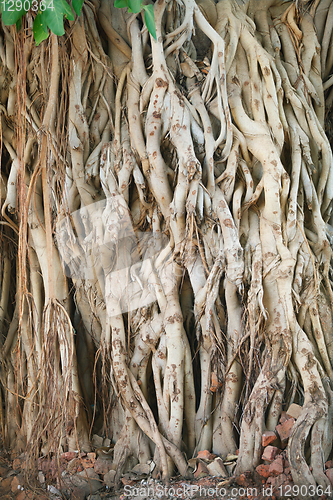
[
  {"x": 217, "y": 469},
  {"x": 294, "y": 411},
  {"x": 92, "y": 475},
  {"x": 109, "y": 478},
  {"x": 97, "y": 441}
]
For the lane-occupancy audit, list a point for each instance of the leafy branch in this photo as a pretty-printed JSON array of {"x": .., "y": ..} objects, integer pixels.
[
  {"x": 137, "y": 6},
  {"x": 50, "y": 14}
]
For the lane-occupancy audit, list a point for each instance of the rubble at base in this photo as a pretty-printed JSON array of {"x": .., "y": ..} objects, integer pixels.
[{"x": 80, "y": 476}]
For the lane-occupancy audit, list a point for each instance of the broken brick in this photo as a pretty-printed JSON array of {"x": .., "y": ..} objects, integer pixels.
[
  {"x": 103, "y": 466},
  {"x": 206, "y": 455},
  {"x": 270, "y": 453},
  {"x": 284, "y": 416},
  {"x": 17, "y": 464},
  {"x": 268, "y": 437},
  {"x": 128, "y": 482},
  {"x": 201, "y": 471},
  {"x": 109, "y": 478},
  {"x": 91, "y": 456},
  {"x": 216, "y": 468},
  {"x": 16, "y": 483},
  {"x": 263, "y": 470},
  {"x": 276, "y": 467},
  {"x": 74, "y": 465},
  {"x": 282, "y": 485},
  {"x": 86, "y": 463},
  {"x": 5, "y": 483},
  {"x": 329, "y": 474},
  {"x": 69, "y": 455},
  {"x": 3, "y": 471},
  {"x": 242, "y": 480},
  {"x": 294, "y": 411},
  {"x": 277, "y": 481},
  {"x": 285, "y": 429},
  {"x": 78, "y": 494},
  {"x": 215, "y": 383},
  {"x": 29, "y": 495}
]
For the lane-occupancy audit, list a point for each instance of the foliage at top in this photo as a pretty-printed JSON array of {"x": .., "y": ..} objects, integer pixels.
[
  {"x": 135, "y": 6},
  {"x": 50, "y": 14}
]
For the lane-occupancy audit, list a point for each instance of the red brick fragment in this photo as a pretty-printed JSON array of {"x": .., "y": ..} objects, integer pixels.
[
  {"x": 201, "y": 471},
  {"x": 51, "y": 468},
  {"x": 128, "y": 482},
  {"x": 17, "y": 464},
  {"x": 3, "y": 471},
  {"x": 5, "y": 483},
  {"x": 206, "y": 455},
  {"x": 284, "y": 430},
  {"x": 242, "y": 480},
  {"x": 281, "y": 487},
  {"x": 215, "y": 383},
  {"x": 277, "y": 481},
  {"x": 29, "y": 495},
  {"x": 270, "y": 453},
  {"x": 276, "y": 467},
  {"x": 263, "y": 470},
  {"x": 16, "y": 483},
  {"x": 329, "y": 474},
  {"x": 329, "y": 464},
  {"x": 268, "y": 437},
  {"x": 69, "y": 455},
  {"x": 284, "y": 416},
  {"x": 103, "y": 466},
  {"x": 86, "y": 463}
]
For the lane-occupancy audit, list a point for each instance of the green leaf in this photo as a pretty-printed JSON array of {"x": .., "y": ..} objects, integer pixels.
[
  {"x": 135, "y": 6},
  {"x": 121, "y": 3},
  {"x": 13, "y": 15},
  {"x": 77, "y": 6},
  {"x": 150, "y": 19},
  {"x": 40, "y": 29},
  {"x": 54, "y": 19}
]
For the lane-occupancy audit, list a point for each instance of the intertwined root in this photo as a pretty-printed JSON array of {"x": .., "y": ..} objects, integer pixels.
[{"x": 192, "y": 195}]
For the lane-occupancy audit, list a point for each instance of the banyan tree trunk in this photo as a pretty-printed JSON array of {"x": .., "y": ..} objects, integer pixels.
[{"x": 166, "y": 232}]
